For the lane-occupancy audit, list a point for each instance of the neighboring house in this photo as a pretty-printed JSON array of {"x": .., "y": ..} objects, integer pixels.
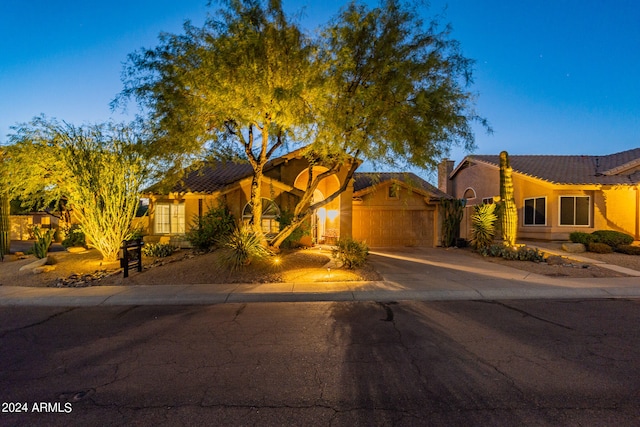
[
  {"x": 555, "y": 195},
  {"x": 22, "y": 225},
  {"x": 382, "y": 209}
]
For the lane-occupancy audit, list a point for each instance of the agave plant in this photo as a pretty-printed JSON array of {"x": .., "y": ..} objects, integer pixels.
[
  {"x": 483, "y": 226},
  {"x": 241, "y": 247}
]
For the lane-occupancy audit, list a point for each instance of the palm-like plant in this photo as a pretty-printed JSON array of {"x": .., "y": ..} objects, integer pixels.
[
  {"x": 241, "y": 247},
  {"x": 483, "y": 226}
]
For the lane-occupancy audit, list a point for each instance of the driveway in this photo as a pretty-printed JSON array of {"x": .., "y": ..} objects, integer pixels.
[{"x": 454, "y": 272}]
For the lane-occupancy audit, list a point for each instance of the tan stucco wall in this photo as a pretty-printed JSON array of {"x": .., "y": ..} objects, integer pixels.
[{"x": 613, "y": 207}]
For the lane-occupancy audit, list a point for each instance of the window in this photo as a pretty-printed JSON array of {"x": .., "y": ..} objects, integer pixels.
[
  {"x": 169, "y": 218},
  {"x": 469, "y": 194},
  {"x": 270, "y": 214},
  {"x": 488, "y": 200},
  {"x": 535, "y": 211},
  {"x": 575, "y": 210}
]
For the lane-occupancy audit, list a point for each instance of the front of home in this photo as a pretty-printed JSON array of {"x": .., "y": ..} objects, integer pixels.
[
  {"x": 387, "y": 209},
  {"x": 554, "y": 195}
]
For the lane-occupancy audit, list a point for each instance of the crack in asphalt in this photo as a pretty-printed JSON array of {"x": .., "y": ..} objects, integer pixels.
[
  {"x": 527, "y": 314},
  {"x": 31, "y": 325}
]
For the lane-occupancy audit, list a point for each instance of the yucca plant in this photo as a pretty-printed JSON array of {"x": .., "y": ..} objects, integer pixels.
[
  {"x": 483, "y": 226},
  {"x": 241, "y": 247}
]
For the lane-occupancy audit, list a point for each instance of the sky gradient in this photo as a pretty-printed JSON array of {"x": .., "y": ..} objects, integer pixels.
[{"x": 552, "y": 76}]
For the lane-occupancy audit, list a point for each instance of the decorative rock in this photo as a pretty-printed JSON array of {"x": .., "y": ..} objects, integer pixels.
[
  {"x": 555, "y": 260},
  {"x": 574, "y": 248},
  {"x": 76, "y": 250},
  {"x": 34, "y": 264}
]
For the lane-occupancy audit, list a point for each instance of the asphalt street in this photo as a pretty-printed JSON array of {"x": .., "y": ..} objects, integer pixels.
[{"x": 489, "y": 362}]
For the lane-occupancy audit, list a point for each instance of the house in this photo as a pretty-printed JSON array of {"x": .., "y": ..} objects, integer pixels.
[
  {"x": 554, "y": 195},
  {"x": 382, "y": 209}
]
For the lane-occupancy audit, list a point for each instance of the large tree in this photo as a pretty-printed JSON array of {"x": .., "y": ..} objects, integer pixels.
[
  {"x": 96, "y": 170},
  {"x": 375, "y": 84}
]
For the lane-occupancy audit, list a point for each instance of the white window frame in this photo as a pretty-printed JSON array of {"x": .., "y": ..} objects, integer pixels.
[
  {"x": 574, "y": 197},
  {"x": 172, "y": 216},
  {"x": 524, "y": 202},
  {"x": 270, "y": 224}
]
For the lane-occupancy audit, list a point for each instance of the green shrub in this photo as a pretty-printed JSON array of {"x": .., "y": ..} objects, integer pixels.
[
  {"x": 483, "y": 226},
  {"x": 600, "y": 248},
  {"x": 522, "y": 253},
  {"x": 240, "y": 248},
  {"x": 42, "y": 243},
  {"x": 209, "y": 230},
  {"x": 612, "y": 238},
  {"x": 158, "y": 250},
  {"x": 350, "y": 252},
  {"x": 75, "y": 238},
  {"x": 580, "y": 237},
  {"x": 628, "y": 249}
]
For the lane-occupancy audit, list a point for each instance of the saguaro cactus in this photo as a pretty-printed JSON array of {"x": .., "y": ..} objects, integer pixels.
[
  {"x": 509, "y": 212},
  {"x": 4, "y": 225}
]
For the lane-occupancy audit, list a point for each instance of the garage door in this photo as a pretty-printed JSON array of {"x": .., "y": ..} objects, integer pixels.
[{"x": 393, "y": 227}]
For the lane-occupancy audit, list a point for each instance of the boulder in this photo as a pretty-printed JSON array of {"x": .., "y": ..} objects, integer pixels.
[
  {"x": 555, "y": 260},
  {"x": 574, "y": 248},
  {"x": 34, "y": 264}
]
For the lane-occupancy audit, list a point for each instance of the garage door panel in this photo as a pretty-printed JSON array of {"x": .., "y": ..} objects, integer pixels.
[{"x": 380, "y": 227}]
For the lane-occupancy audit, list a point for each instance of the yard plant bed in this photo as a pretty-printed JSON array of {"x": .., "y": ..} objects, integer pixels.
[
  {"x": 568, "y": 267},
  {"x": 183, "y": 267}
]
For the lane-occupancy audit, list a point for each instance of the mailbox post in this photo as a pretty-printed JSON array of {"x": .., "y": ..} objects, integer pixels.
[{"x": 131, "y": 255}]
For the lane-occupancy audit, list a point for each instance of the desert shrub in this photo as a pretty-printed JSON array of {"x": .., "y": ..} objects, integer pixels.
[
  {"x": 158, "y": 250},
  {"x": 612, "y": 238},
  {"x": 240, "y": 248},
  {"x": 580, "y": 237},
  {"x": 208, "y": 230},
  {"x": 600, "y": 248},
  {"x": 483, "y": 226},
  {"x": 522, "y": 253},
  {"x": 628, "y": 249},
  {"x": 42, "y": 243},
  {"x": 351, "y": 253},
  {"x": 75, "y": 238}
]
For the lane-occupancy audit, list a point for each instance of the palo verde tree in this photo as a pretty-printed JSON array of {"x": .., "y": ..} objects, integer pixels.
[
  {"x": 98, "y": 170},
  {"x": 375, "y": 84}
]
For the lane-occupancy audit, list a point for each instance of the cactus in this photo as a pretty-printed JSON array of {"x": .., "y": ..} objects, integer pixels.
[
  {"x": 5, "y": 227},
  {"x": 509, "y": 212}
]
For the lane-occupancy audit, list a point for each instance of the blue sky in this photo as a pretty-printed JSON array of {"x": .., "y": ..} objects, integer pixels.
[{"x": 552, "y": 76}]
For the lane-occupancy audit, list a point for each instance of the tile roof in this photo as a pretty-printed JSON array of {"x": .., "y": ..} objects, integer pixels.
[
  {"x": 364, "y": 180},
  {"x": 213, "y": 176},
  {"x": 614, "y": 168}
]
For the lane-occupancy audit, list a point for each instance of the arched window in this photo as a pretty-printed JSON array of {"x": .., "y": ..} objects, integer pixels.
[
  {"x": 469, "y": 194},
  {"x": 270, "y": 214}
]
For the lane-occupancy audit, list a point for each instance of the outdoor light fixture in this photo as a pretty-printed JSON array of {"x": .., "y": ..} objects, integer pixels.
[{"x": 332, "y": 214}]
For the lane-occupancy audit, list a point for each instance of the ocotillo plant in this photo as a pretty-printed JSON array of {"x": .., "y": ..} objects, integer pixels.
[{"x": 509, "y": 212}]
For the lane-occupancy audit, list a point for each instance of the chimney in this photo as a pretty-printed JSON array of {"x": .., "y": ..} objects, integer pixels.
[{"x": 444, "y": 170}]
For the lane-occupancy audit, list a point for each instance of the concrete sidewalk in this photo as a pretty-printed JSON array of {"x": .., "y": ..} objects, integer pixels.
[
  {"x": 627, "y": 287},
  {"x": 421, "y": 275}
]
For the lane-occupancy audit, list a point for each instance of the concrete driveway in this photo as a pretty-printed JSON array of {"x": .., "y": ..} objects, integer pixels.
[{"x": 454, "y": 273}]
